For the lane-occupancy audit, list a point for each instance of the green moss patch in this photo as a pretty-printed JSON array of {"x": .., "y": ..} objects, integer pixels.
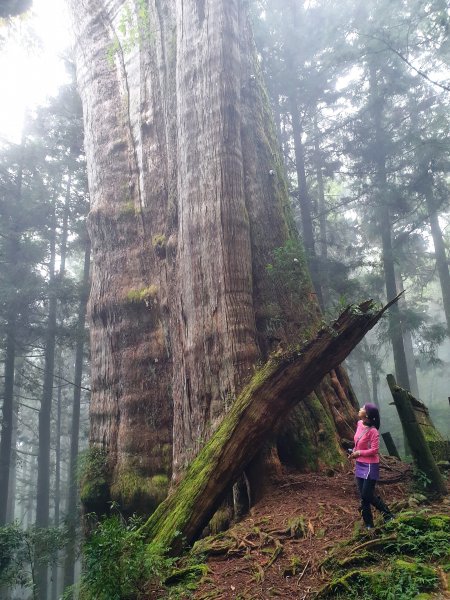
[
  {"x": 403, "y": 580},
  {"x": 221, "y": 520},
  {"x": 145, "y": 294},
  {"x": 405, "y": 557},
  {"x": 128, "y": 208},
  {"x": 134, "y": 491},
  {"x": 93, "y": 477}
]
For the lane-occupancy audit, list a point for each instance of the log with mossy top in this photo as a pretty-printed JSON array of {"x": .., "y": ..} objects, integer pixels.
[
  {"x": 272, "y": 392},
  {"x": 420, "y": 450}
]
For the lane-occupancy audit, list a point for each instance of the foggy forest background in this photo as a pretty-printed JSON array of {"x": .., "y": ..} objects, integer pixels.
[{"x": 372, "y": 114}]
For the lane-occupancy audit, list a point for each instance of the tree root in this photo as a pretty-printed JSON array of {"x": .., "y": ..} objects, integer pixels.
[
  {"x": 375, "y": 543},
  {"x": 276, "y": 553}
]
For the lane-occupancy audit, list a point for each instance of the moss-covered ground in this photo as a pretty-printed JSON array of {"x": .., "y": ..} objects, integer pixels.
[
  {"x": 408, "y": 557},
  {"x": 304, "y": 539}
]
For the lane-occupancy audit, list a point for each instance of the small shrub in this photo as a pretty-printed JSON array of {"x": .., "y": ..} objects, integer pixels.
[
  {"x": 118, "y": 563},
  {"x": 421, "y": 480}
]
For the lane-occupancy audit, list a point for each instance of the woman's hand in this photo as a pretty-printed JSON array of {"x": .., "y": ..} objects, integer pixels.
[{"x": 355, "y": 454}]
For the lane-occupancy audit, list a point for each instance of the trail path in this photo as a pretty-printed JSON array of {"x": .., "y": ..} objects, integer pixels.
[{"x": 280, "y": 545}]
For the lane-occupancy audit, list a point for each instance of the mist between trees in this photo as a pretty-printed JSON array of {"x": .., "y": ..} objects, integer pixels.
[{"x": 184, "y": 306}]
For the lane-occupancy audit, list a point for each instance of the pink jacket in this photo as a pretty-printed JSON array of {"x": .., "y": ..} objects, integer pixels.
[{"x": 367, "y": 442}]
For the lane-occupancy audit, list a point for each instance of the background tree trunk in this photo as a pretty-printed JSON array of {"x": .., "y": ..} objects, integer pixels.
[
  {"x": 7, "y": 419},
  {"x": 72, "y": 512},
  {"x": 385, "y": 229},
  {"x": 12, "y": 251},
  {"x": 439, "y": 248},
  {"x": 43, "y": 474}
]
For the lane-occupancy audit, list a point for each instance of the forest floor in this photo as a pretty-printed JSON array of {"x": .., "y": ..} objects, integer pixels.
[{"x": 279, "y": 547}]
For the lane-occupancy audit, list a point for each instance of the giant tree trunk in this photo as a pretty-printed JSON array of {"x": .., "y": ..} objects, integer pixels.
[
  {"x": 130, "y": 152},
  {"x": 189, "y": 207}
]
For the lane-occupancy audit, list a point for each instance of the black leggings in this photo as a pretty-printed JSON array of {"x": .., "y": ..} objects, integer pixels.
[{"x": 366, "y": 488}]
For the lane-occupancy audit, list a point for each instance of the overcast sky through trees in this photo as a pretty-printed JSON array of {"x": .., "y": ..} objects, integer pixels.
[{"x": 31, "y": 72}]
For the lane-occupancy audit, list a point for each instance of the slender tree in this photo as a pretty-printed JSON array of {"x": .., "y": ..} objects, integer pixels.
[
  {"x": 19, "y": 285},
  {"x": 72, "y": 513}
]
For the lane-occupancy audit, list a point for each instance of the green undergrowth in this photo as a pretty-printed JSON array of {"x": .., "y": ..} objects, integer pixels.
[
  {"x": 119, "y": 565},
  {"x": 408, "y": 558}
]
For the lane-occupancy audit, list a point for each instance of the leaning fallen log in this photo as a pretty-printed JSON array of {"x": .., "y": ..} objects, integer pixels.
[
  {"x": 422, "y": 455},
  {"x": 271, "y": 393}
]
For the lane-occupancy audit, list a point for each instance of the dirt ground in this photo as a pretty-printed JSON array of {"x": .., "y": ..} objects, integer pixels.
[{"x": 281, "y": 544}]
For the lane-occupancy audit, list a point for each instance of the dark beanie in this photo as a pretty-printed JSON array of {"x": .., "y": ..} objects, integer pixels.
[{"x": 373, "y": 414}]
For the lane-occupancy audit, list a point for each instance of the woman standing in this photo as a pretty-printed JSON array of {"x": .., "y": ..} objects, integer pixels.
[{"x": 367, "y": 465}]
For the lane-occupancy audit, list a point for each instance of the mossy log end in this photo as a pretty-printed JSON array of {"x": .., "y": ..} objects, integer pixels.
[
  {"x": 423, "y": 458},
  {"x": 271, "y": 393}
]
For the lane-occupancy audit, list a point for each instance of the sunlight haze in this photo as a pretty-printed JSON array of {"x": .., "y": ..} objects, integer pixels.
[{"x": 30, "y": 64}]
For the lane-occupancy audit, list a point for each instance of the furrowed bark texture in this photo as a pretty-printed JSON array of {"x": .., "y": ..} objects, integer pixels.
[
  {"x": 283, "y": 382},
  {"x": 214, "y": 268},
  {"x": 189, "y": 207},
  {"x": 125, "y": 97}
]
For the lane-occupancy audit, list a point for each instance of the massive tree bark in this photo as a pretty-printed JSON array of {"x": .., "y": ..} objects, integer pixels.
[
  {"x": 126, "y": 96},
  {"x": 189, "y": 208},
  {"x": 283, "y": 382}
]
